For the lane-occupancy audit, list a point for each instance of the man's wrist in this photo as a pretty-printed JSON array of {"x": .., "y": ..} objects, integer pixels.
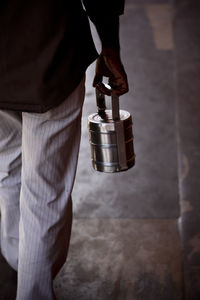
[{"x": 110, "y": 51}]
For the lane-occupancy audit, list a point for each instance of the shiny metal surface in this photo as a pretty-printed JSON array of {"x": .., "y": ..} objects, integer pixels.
[{"x": 111, "y": 140}]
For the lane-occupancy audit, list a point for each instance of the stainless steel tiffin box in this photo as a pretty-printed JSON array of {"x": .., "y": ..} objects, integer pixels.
[{"x": 111, "y": 137}]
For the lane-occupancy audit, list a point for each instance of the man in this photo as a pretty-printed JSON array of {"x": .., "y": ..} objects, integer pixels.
[{"x": 45, "y": 49}]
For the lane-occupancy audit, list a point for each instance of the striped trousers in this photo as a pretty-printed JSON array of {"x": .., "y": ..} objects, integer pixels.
[{"x": 38, "y": 160}]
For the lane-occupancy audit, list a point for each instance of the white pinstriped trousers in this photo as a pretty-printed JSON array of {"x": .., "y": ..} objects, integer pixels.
[{"x": 38, "y": 160}]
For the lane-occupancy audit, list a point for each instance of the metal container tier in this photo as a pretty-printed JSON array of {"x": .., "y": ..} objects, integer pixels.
[{"x": 111, "y": 137}]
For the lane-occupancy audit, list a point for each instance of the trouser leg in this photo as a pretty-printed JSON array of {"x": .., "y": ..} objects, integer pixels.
[
  {"x": 50, "y": 145},
  {"x": 10, "y": 182}
]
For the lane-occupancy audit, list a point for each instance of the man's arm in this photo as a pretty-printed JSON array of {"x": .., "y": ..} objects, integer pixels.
[{"x": 105, "y": 16}]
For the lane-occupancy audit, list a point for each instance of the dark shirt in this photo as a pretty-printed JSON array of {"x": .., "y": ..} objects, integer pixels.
[{"x": 46, "y": 47}]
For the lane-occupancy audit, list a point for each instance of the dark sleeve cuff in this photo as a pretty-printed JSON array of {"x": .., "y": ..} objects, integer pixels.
[
  {"x": 103, "y": 8},
  {"x": 108, "y": 31},
  {"x": 105, "y": 16}
]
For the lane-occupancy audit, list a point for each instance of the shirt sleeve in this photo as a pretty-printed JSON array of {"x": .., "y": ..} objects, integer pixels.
[
  {"x": 105, "y": 16},
  {"x": 103, "y": 8}
]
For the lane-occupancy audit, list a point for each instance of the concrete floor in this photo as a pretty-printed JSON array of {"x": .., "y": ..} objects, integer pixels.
[{"x": 135, "y": 234}]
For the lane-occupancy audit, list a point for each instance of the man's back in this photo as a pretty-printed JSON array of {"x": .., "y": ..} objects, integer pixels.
[{"x": 43, "y": 45}]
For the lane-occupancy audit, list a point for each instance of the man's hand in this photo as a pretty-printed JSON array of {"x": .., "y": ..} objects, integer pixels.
[{"x": 109, "y": 65}]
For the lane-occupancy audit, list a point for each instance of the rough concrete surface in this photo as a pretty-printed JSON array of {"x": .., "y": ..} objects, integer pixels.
[{"x": 122, "y": 259}]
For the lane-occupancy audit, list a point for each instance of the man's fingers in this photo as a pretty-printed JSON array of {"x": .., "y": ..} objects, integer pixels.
[
  {"x": 97, "y": 79},
  {"x": 97, "y": 82},
  {"x": 101, "y": 87},
  {"x": 110, "y": 66},
  {"x": 119, "y": 85}
]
